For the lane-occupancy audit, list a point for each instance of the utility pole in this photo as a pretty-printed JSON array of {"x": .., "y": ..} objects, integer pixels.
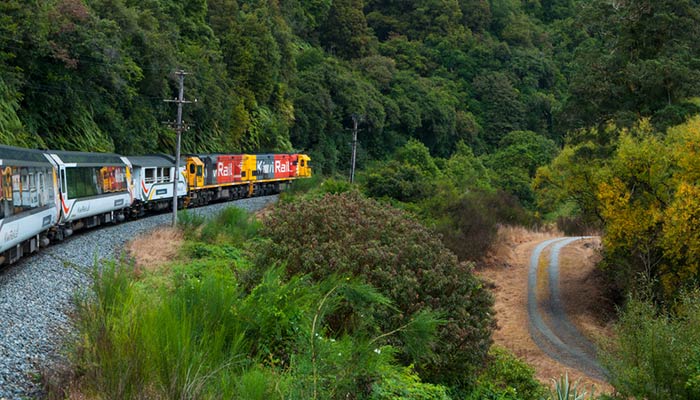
[
  {"x": 354, "y": 147},
  {"x": 179, "y": 127}
]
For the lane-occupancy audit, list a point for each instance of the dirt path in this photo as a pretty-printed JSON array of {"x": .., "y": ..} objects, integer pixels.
[
  {"x": 557, "y": 336},
  {"x": 508, "y": 268}
]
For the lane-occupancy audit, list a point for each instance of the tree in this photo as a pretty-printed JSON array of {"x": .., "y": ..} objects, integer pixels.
[
  {"x": 345, "y": 32},
  {"x": 500, "y": 104},
  {"x": 638, "y": 61}
]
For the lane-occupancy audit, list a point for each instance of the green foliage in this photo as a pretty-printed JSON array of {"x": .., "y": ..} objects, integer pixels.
[
  {"x": 195, "y": 330},
  {"x": 515, "y": 162},
  {"x": 135, "y": 341},
  {"x": 655, "y": 354},
  {"x": 349, "y": 235},
  {"x": 198, "y": 335},
  {"x": 232, "y": 225},
  {"x": 189, "y": 222},
  {"x": 634, "y": 62},
  {"x": 406, "y": 385},
  {"x": 403, "y": 182},
  {"x": 566, "y": 390},
  {"x": 335, "y": 186},
  {"x": 506, "y": 378}
]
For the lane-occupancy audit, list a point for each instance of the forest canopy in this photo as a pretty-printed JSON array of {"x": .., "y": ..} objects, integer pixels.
[{"x": 290, "y": 75}]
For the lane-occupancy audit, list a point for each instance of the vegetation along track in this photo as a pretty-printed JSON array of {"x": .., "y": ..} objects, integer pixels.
[
  {"x": 36, "y": 296},
  {"x": 558, "y": 337}
]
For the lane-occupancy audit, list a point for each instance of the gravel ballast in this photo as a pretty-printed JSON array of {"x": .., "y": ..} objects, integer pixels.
[{"x": 36, "y": 296}]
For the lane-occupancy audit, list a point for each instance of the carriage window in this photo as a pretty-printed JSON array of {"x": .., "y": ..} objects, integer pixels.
[
  {"x": 163, "y": 174},
  {"x": 91, "y": 181},
  {"x": 150, "y": 175},
  {"x": 16, "y": 188},
  {"x": 81, "y": 182}
]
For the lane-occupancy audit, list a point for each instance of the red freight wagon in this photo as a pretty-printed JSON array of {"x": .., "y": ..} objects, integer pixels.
[
  {"x": 228, "y": 168},
  {"x": 283, "y": 166}
]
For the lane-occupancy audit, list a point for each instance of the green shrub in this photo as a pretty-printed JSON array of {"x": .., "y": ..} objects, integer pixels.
[
  {"x": 507, "y": 377},
  {"x": 348, "y": 234},
  {"x": 399, "y": 181},
  {"x": 469, "y": 223},
  {"x": 656, "y": 354},
  {"x": 406, "y": 385},
  {"x": 335, "y": 186}
]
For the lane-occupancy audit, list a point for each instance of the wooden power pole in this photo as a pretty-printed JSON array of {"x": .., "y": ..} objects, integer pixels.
[{"x": 179, "y": 128}]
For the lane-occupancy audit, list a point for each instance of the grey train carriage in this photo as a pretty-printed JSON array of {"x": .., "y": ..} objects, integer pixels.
[
  {"x": 29, "y": 201},
  {"x": 153, "y": 183},
  {"x": 95, "y": 189}
]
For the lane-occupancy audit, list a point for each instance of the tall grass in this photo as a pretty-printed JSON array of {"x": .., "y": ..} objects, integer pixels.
[
  {"x": 231, "y": 225},
  {"x": 173, "y": 345}
]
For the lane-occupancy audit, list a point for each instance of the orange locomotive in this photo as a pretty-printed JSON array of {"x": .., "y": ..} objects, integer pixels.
[{"x": 214, "y": 177}]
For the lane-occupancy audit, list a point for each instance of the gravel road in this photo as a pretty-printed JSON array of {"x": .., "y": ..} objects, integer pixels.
[
  {"x": 36, "y": 296},
  {"x": 557, "y": 336}
]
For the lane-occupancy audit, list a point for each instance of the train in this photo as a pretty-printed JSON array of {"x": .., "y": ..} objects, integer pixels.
[{"x": 48, "y": 195}]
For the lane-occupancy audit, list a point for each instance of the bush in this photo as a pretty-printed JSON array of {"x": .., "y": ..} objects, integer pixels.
[
  {"x": 469, "y": 224},
  {"x": 656, "y": 355},
  {"x": 406, "y": 385},
  {"x": 506, "y": 378},
  {"x": 403, "y": 182},
  {"x": 348, "y": 234}
]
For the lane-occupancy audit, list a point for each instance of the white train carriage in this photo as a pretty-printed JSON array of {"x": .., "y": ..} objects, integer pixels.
[
  {"x": 95, "y": 189},
  {"x": 28, "y": 201},
  {"x": 153, "y": 183}
]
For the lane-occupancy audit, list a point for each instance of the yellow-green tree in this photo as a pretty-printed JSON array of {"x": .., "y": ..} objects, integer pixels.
[{"x": 651, "y": 207}]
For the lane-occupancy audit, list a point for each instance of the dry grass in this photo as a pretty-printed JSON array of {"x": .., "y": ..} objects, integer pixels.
[
  {"x": 585, "y": 302},
  {"x": 503, "y": 250},
  {"x": 507, "y": 267},
  {"x": 155, "y": 249},
  {"x": 60, "y": 382}
]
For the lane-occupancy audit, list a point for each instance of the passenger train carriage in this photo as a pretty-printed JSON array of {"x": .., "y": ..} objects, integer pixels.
[
  {"x": 95, "y": 188},
  {"x": 153, "y": 183},
  {"x": 28, "y": 201},
  {"x": 47, "y": 195}
]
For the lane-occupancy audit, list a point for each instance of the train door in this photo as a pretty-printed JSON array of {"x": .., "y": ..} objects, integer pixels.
[{"x": 63, "y": 191}]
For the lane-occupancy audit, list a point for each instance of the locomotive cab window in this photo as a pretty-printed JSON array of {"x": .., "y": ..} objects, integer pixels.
[{"x": 191, "y": 168}]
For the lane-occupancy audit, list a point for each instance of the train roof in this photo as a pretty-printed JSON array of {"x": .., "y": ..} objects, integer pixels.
[
  {"x": 89, "y": 159},
  {"x": 153, "y": 160},
  {"x": 21, "y": 156}
]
